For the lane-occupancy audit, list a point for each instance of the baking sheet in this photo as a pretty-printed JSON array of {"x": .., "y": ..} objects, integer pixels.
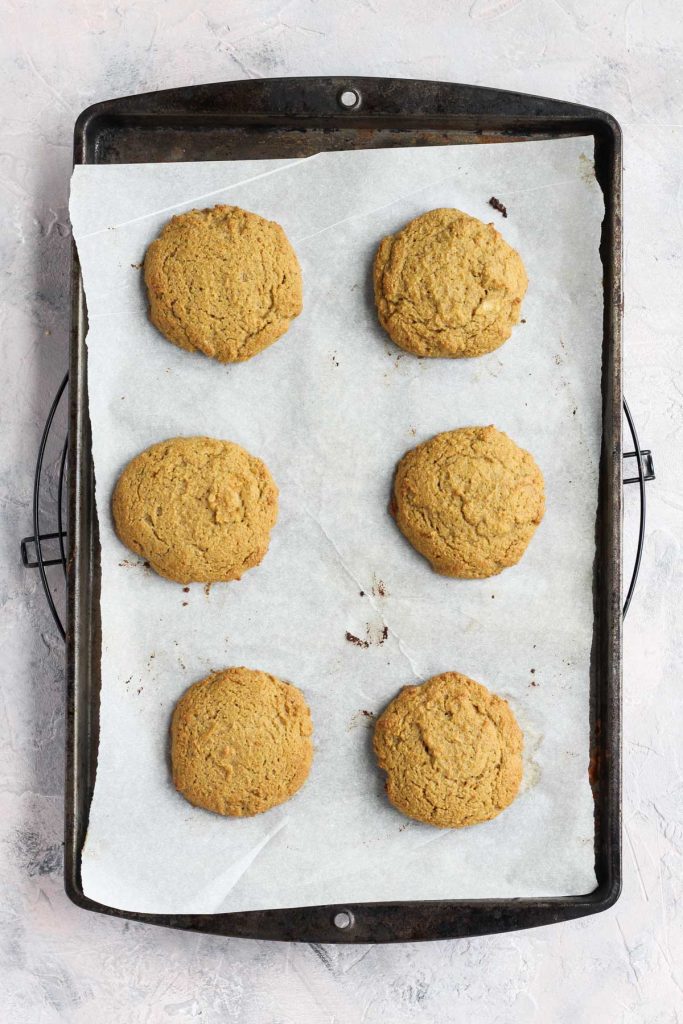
[{"x": 331, "y": 407}]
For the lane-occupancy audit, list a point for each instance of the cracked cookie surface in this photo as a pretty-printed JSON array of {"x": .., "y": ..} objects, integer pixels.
[
  {"x": 469, "y": 500},
  {"x": 197, "y": 509},
  {"x": 448, "y": 285},
  {"x": 451, "y": 750},
  {"x": 222, "y": 281},
  {"x": 241, "y": 742}
]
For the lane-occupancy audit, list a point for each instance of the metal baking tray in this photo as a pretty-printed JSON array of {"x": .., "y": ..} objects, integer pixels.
[{"x": 294, "y": 117}]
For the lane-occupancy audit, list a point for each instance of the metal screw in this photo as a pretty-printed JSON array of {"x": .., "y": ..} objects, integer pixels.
[
  {"x": 344, "y": 919},
  {"x": 349, "y": 99}
]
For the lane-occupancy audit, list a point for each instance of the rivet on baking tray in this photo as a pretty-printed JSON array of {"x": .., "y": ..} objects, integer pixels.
[
  {"x": 344, "y": 919},
  {"x": 349, "y": 99}
]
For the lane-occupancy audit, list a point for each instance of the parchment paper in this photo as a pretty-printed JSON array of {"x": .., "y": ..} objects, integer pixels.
[{"x": 331, "y": 407}]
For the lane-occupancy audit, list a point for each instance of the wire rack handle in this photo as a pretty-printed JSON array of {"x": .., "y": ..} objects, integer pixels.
[{"x": 39, "y": 538}]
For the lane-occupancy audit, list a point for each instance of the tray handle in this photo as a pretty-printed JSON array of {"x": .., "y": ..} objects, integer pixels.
[{"x": 357, "y": 98}]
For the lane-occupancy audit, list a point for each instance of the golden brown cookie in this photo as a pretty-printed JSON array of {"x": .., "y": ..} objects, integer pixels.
[
  {"x": 469, "y": 500},
  {"x": 197, "y": 509},
  {"x": 448, "y": 285},
  {"x": 240, "y": 742},
  {"x": 452, "y": 752},
  {"x": 222, "y": 281}
]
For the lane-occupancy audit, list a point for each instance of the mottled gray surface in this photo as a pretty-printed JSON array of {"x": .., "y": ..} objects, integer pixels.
[{"x": 60, "y": 964}]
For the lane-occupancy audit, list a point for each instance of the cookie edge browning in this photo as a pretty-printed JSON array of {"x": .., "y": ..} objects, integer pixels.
[
  {"x": 403, "y": 336},
  {"x": 172, "y": 329},
  {"x": 413, "y": 693},
  {"x": 175, "y": 727},
  {"x": 126, "y": 536},
  {"x": 465, "y": 572}
]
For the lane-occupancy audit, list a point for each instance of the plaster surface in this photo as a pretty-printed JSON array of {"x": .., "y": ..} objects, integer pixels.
[{"x": 59, "y": 964}]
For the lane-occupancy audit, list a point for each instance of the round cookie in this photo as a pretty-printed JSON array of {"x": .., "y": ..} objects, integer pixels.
[
  {"x": 197, "y": 509},
  {"x": 469, "y": 500},
  {"x": 240, "y": 742},
  {"x": 222, "y": 281},
  {"x": 448, "y": 285},
  {"x": 451, "y": 750}
]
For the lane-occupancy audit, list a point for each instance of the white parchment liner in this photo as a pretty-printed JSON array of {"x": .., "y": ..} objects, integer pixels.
[{"x": 331, "y": 407}]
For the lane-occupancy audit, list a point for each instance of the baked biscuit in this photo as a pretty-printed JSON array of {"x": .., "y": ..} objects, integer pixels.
[
  {"x": 469, "y": 500},
  {"x": 222, "y": 281},
  {"x": 197, "y": 509},
  {"x": 240, "y": 742},
  {"x": 448, "y": 285},
  {"x": 451, "y": 750}
]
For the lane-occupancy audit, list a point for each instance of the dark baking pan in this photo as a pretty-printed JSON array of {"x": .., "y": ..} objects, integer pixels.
[{"x": 292, "y": 118}]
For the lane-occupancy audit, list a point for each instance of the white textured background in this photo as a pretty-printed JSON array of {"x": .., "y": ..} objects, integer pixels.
[{"x": 60, "y": 964}]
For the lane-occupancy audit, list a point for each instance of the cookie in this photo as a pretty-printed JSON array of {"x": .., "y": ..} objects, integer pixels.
[
  {"x": 469, "y": 500},
  {"x": 197, "y": 509},
  {"x": 448, "y": 285},
  {"x": 240, "y": 742},
  {"x": 451, "y": 750},
  {"x": 222, "y": 281}
]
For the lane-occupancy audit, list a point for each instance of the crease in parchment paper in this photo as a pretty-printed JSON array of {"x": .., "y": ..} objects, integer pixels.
[
  {"x": 371, "y": 600},
  {"x": 331, "y": 408},
  {"x": 219, "y": 888},
  {"x": 195, "y": 199}
]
